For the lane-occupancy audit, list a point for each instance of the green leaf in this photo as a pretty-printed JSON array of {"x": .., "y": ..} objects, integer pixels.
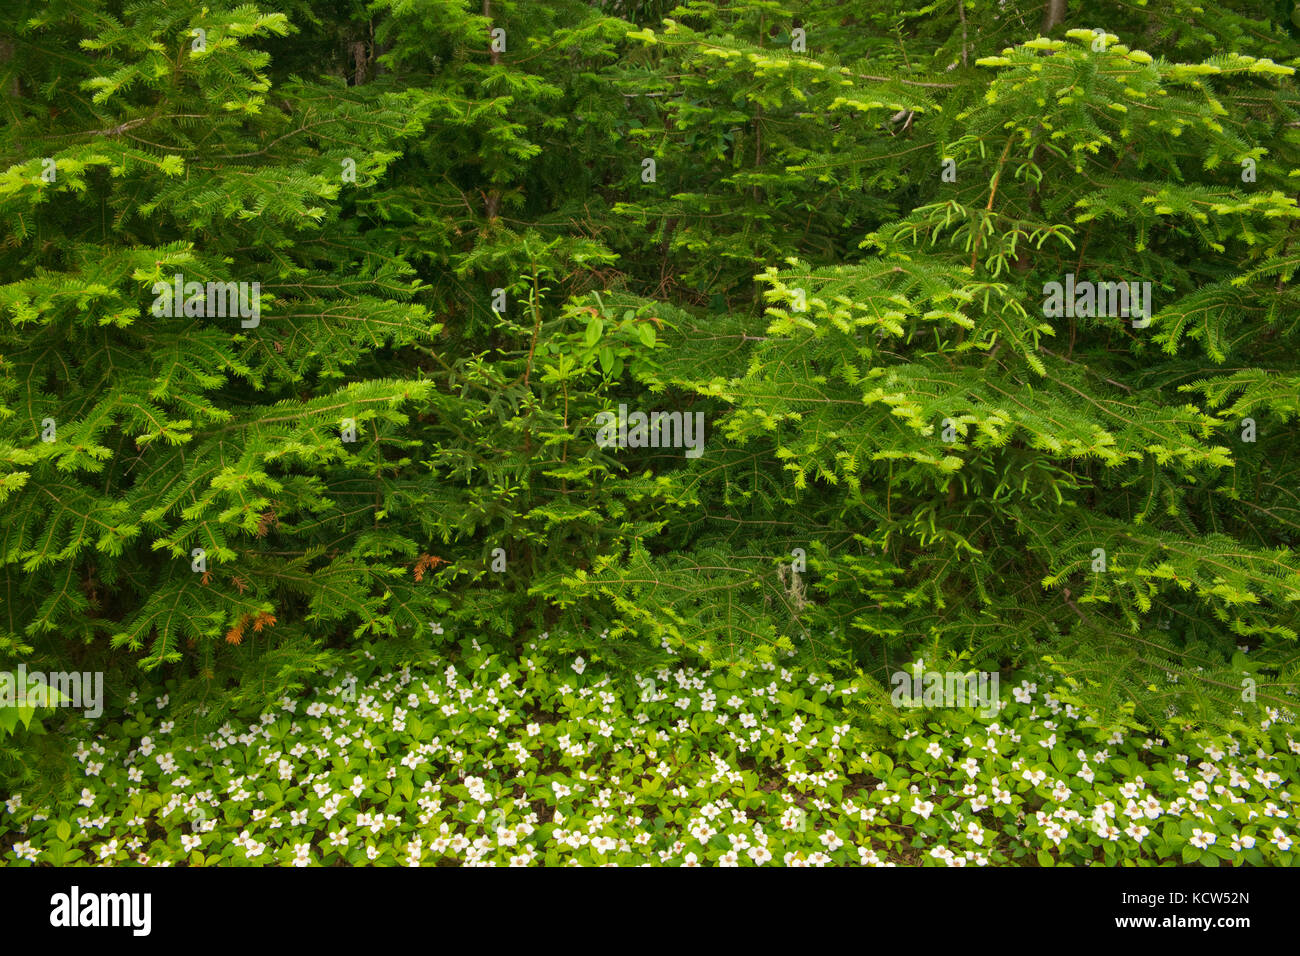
[{"x": 1060, "y": 759}]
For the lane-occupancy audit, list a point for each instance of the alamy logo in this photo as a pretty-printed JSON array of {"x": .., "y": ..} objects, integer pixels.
[
  {"x": 1098, "y": 299},
  {"x": 58, "y": 689},
  {"x": 102, "y": 909},
  {"x": 947, "y": 689},
  {"x": 214, "y": 300},
  {"x": 657, "y": 430}
]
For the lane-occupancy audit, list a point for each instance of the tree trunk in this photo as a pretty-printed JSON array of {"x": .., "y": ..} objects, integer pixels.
[{"x": 1053, "y": 14}]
